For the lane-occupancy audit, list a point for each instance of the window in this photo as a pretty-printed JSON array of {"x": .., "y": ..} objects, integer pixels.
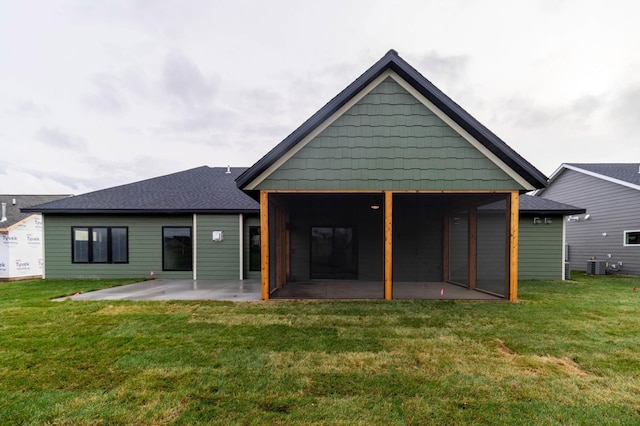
[
  {"x": 254, "y": 248},
  {"x": 99, "y": 244},
  {"x": 177, "y": 249},
  {"x": 632, "y": 238}
]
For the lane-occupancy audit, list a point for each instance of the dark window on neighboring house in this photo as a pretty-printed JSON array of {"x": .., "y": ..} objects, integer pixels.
[
  {"x": 632, "y": 238},
  {"x": 254, "y": 248},
  {"x": 99, "y": 244},
  {"x": 177, "y": 251}
]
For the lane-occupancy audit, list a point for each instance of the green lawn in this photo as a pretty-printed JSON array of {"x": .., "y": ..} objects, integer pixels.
[{"x": 566, "y": 353}]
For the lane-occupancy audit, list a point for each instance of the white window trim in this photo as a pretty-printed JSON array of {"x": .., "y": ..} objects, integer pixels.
[{"x": 624, "y": 238}]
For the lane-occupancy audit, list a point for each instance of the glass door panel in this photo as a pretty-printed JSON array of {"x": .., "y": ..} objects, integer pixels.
[{"x": 333, "y": 253}]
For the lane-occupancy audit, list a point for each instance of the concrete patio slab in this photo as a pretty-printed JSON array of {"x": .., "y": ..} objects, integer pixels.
[
  {"x": 167, "y": 289},
  {"x": 250, "y": 290}
]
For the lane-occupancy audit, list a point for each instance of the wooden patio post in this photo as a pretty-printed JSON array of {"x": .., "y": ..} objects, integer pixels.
[
  {"x": 388, "y": 245},
  {"x": 513, "y": 246},
  {"x": 264, "y": 243}
]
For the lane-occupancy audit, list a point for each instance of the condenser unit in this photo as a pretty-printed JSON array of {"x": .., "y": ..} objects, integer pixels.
[{"x": 596, "y": 267}]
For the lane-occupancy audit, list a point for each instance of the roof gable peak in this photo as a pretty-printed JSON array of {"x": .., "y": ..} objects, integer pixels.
[{"x": 420, "y": 85}]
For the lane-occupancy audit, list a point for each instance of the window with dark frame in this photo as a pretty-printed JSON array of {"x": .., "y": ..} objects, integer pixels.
[
  {"x": 177, "y": 248},
  {"x": 99, "y": 244},
  {"x": 254, "y": 248}
]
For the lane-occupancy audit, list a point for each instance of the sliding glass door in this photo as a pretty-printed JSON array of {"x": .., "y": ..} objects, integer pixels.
[{"x": 333, "y": 253}]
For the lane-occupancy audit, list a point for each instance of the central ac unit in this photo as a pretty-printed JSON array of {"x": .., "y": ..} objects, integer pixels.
[{"x": 596, "y": 267}]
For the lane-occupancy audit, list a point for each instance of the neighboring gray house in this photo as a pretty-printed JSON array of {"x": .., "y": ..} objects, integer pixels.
[
  {"x": 21, "y": 248},
  {"x": 607, "y": 236}
]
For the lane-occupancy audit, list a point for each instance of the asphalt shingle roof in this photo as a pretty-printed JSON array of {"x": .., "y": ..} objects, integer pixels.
[
  {"x": 202, "y": 190},
  {"x": 626, "y": 172},
  {"x": 14, "y": 215},
  {"x": 539, "y": 205}
]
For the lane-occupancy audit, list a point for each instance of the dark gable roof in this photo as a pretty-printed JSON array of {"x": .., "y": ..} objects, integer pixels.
[
  {"x": 200, "y": 190},
  {"x": 537, "y": 205},
  {"x": 622, "y": 172},
  {"x": 393, "y": 61},
  {"x": 14, "y": 215}
]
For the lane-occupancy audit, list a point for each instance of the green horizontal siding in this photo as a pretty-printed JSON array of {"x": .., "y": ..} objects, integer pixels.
[
  {"x": 145, "y": 246},
  {"x": 218, "y": 260},
  {"x": 540, "y": 250},
  {"x": 389, "y": 141}
]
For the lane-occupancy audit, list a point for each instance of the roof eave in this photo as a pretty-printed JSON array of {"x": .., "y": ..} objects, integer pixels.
[
  {"x": 150, "y": 211},
  {"x": 553, "y": 212}
]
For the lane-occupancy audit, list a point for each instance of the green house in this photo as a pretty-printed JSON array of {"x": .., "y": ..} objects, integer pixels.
[
  {"x": 389, "y": 191},
  {"x": 194, "y": 224},
  {"x": 391, "y": 185}
]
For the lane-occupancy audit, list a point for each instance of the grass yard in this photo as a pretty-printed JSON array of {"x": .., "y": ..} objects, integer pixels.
[{"x": 566, "y": 353}]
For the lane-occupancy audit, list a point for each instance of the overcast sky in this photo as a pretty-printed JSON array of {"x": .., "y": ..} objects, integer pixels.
[{"x": 95, "y": 94}]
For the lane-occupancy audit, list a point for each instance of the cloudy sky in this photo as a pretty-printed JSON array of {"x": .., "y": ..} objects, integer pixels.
[{"x": 95, "y": 94}]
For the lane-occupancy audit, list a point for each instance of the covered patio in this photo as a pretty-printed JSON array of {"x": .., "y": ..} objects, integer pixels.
[
  {"x": 389, "y": 245},
  {"x": 390, "y": 186}
]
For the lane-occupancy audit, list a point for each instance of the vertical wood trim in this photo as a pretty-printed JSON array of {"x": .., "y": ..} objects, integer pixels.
[
  {"x": 513, "y": 246},
  {"x": 388, "y": 245},
  {"x": 473, "y": 246},
  {"x": 264, "y": 243},
  {"x": 445, "y": 248}
]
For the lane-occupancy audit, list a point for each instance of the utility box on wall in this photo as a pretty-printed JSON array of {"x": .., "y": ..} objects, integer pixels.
[{"x": 217, "y": 236}]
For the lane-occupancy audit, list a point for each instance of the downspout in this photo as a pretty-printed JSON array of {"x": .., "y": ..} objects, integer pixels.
[
  {"x": 241, "y": 222},
  {"x": 195, "y": 246},
  {"x": 4, "y": 213},
  {"x": 565, "y": 259}
]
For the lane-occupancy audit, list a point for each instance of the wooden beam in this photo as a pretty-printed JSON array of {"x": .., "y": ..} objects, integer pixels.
[
  {"x": 395, "y": 191},
  {"x": 264, "y": 243},
  {"x": 514, "y": 214},
  {"x": 388, "y": 245}
]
